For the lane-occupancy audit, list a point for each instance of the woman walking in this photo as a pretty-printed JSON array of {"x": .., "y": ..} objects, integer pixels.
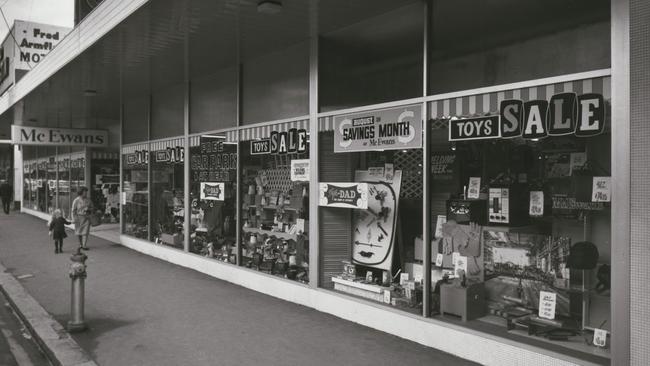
[{"x": 82, "y": 208}]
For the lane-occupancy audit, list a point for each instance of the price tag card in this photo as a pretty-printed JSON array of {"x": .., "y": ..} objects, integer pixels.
[
  {"x": 389, "y": 172},
  {"x": 403, "y": 277},
  {"x": 600, "y": 337},
  {"x": 602, "y": 189},
  {"x": 547, "y": 302},
  {"x": 461, "y": 263},
  {"x": 474, "y": 188},
  {"x": 369, "y": 276},
  {"x": 454, "y": 258},
  {"x": 439, "y": 260},
  {"x": 441, "y": 219},
  {"x": 387, "y": 296}
]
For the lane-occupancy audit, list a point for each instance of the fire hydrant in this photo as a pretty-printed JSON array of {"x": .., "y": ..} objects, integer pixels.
[{"x": 77, "y": 275}]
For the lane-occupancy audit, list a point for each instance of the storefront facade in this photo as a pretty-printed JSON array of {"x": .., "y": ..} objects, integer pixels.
[{"x": 450, "y": 181}]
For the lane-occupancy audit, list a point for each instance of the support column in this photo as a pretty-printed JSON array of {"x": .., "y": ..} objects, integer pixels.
[
  {"x": 426, "y": 169},
  {"x": 314, "y": 242},
  {"x": 18, "y": 173},
  {"x": 187, "y": 208}
]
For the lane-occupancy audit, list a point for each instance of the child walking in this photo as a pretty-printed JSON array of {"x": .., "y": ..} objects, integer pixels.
[{"x": 57, "y": 230}]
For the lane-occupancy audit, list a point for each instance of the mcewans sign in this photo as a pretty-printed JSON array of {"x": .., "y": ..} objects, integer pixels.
[
  {"x": 25, "y": 135},
  {"x": 564, "y": 114}
]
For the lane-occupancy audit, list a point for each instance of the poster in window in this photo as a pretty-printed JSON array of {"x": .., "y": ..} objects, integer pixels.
[{"x": 212, "y": 191}]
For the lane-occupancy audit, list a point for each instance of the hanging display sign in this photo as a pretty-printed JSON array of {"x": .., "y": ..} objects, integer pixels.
[
  {"x": 536, "y": 204},
  {"x": 139, "y": 157},
  {"x": 346, "y": 195},
  {"x": 25, "y": 135},
  {"x": 547, "y": 304},
  {"x": 474, "y": 128},
  {"x": 294, "y": 141},
  {"x": 565, "y": 114},
  {"x": 171, "y": 155},
  {"x": 213, "y": 160},
  {"x": 212, "y": 191},
  {"x": 386, "y": 129},
  {"x": 300, "y": 170}
]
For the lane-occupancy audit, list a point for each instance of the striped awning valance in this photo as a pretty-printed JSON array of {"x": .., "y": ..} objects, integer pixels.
[
  {"x": 162, "y": 145},
  {"x": 231, "y": 136},
  {"x": 489, "y": 103},
  {"x": 261, "y": 132},
  {"x": 129, "y": 149}
]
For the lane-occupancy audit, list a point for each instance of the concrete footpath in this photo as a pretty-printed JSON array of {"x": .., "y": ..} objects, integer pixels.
[{"x": 143, "y": 311}]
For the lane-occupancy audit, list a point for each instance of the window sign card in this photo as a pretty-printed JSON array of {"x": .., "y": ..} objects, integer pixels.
[
  {"x": 212, "y": 191},
  {"x": 454, "y": 258},
  {"x": 474, "y": 188},
  {"x": 300, "y": 170},
  {"x": 536, "y": 206},
  {"x": 442, "y": 219},
  {"x": 602, "y": 189},
  {"x": 600, "y": 337},
  {"x": 376, "y": 171},
  {"x": 389, "y": 172},
  {"x": 369, "y": 276},
  {"x": 346, "y": 195},
  {"x": 439, "y": 260},
  {"x": 547, "y": 302},
  {"x": 403, "y": 277}
]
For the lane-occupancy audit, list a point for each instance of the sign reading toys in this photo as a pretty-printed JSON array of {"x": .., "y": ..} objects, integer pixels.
[
  {"x": 386, "y": 129},
  {"x": 293, "y": 141},
  {"x": 25, "y": 135},
  {"x": 346, "y": 195},
  {"x": 564, "y": 114}
]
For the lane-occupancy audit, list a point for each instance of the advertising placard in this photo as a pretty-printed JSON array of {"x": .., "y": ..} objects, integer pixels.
[
  {"x": 212, "y": 191},
  {"x": 346, "y": 195},
  {"x": 300, "y": 170},
  {"x": 474, "y": 128},
  {"x": 385, "y": 129}
]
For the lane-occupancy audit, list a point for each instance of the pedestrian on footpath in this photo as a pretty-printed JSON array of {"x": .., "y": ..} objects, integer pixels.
[
  {"x": 6, "y": 191},
  {"x": 57, "y": 230},
  {"x": 82, "y": 208}
]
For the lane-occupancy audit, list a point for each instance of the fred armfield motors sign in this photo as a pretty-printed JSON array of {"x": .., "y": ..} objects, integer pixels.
[{"x": 25, "y": 135}]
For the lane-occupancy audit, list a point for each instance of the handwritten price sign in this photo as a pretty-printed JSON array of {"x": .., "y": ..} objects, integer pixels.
[{"x": 602, "y": 189}]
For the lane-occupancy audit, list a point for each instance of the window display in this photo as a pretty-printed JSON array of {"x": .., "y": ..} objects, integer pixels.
[
  {"x": 167, "y": 207},
  {"x": 213, "y": 180},
  {"x": 373, "y": 195},
  {"x": 275, "y": 200},
  {"x": 135, "y": 185},
  {"x": 520, "y": 202},
  {"x": 105, "y": 176}
]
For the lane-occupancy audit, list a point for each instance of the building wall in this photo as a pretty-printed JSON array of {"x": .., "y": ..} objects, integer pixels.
[{"x": 640, "y": 174}]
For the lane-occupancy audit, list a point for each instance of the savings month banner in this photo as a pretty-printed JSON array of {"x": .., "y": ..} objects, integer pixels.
[{"x": 385, "y": 129}]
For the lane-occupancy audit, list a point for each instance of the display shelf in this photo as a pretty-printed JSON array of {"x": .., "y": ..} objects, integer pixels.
[
  {"x": 273, "y": 208},
  {"x": 277, "y": 234}
]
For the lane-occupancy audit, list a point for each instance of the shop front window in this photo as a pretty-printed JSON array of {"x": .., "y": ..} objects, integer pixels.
[
  {"x": 42, "y": 189},
  {"x": 213, "y": 194},
  {"x": 63, "y": 183},
  {"x": 371, "y": 206},
  {"x": 135, "y": 187},
  {"x": 167, "y": 193},
  {"x": 274, "y": 166},
  {"x": 521, "y": 217},
  {"x": 105, "y": 177}
]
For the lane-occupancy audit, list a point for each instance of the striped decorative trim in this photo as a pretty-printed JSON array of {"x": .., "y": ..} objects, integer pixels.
[
  {"x": 135, "y": 147},
  {"x": 162, "y": 145},
  {"x": 261, "y": 132},
  {"x": 488, "y": 103},
  {"x": 482, "y": 104},
  {"x": 231, "y": 136}
]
